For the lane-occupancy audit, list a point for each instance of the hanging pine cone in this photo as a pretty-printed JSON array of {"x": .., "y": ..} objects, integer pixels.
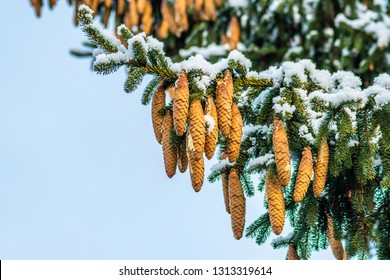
[
  {"x": 38, "y": 6},
  {"x": 237, "y": 204},
  {"x": 107, "y": 12},
  {"x": 225, "y": 190},
  {"x": 210, "y": 12},
  {"x": 163, "y": 29},
  {"x": 228, "y": 79},
  {"x": 168, "y": 152},
  {"x": 305, "y": 171},
  {"x": 147, "y": 18},
  {"x": 198, "y": 6},
  {"x": 181, "y": 19},
  {"x": 158, "y": 102},
  {"x": 196, "y": 165},
  {"x": 224, "y": 108},
  {"x": 197, "y": 127},
  {"x": 120, "y": 7},
  {"x": 132, "y": 17},
  {"x": 211, "y": 135},
  {"x": 292, "y": 253},
  {"x": 168, "y": 15},
  {"x": 276, "y": 207},
  {"x": 141, "y": 6},
  {"x": 234, "y": 141},
  {"x": 282, "y": 152},
  {"x": 335, "y": 245},
  {"x": 234, "y": 33},
  {"x": 321, "y": 169},
  {"x": 180, "y": 104},
  {"x": 182, "y": 159}
]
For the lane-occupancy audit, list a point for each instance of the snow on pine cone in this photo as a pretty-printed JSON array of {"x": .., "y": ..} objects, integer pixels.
[
  {"x": 197, "y": 128},
  {"x": 275, "y": 199},
  {"x": 292, "y": 253},
  {"x": 321, "y": 168},
  {"x": 181, "y": 14},
  {"x": 281, "y": 152},
  {"x": 237, "y": 204},
  {"x": 181, "y": 103},
  {"x": 228, "y": 79},
  {"x": 212, "y": 134},
  {"x": 196, "y": 165},
  {"x": 335, "y": 245},
  {"x": 224, "y": 108},
  {"x": 182, "y": 159},
  {"x": 168, "y": 152},
  {"x": 158, "y": 102},
  {"x": 305, "y": 171},
  {"x": 234, "y": 141},
  {"x": 234, "y": 33}
]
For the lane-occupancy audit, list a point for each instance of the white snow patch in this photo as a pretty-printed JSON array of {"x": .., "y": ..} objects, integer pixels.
[{"x": 210, "y": 123}]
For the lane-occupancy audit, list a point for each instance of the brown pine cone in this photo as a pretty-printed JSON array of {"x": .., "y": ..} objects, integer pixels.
[
  {"x": 237, "y": 204},
  {"x": 305, "y": 171},
  {"x": 276, "y": 207},
  {"x": 210, "y": 12},
  {"x": 182, "y": 159},
  {"x": 181, "y": 19},
  {"x": 141, "y": 6},
  {"x": 198, "y": 6},
  {"x": 234, "y": 33},
  {"x": 197, "y": 127},
  {"x": 228, "y": 79},
  {"x": 168, "y": 152},
  {"x": 180, "y": 104},
  {"x": 234, "y": 141},
  {"x": 163, "y": 30},
  {"x": 282, "y": 152},
  {"x": 321, "y": 168},
  {"x": 168, "y": 16},
  {"x": 158, "y": 102},
  {"x": 211, "y": 136},
  {"x": 196, "y": 168},
  {"x": 335, "y": 245},
  {"x": 120, "y": 7},
  {"x": 292, "y": 253},
  {"x": 224, "y": 108},
  {"x": 225, "y": 189},
  {"x": 147, "y": 19}
]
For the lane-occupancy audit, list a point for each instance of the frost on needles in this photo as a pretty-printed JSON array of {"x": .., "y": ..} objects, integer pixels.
[{"x": 331, "y": 114}]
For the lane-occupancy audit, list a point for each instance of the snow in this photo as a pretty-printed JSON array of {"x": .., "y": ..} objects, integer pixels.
[
  {"x": 304, "y": 133},
  {"x": 211, "y": 50},
  {"x": 155, "y": 44},
  {"x": 239, "y": 58},
  {"x": 293, "y": 69},
  {"x": 344, "y": 79},
  {"x": 238, "y": 3},
  {"x": 210, "y": 123},
  {"x": 353, "y": 143},
  {"x": 267, "y": 159},
  {"x": 321, "y": 77},
  {"x": 249, "y": 130},
  {"x": 261, "y": 97},
  {"x": 88, "y": 11},
  {"x": 221, "y": 165},
  {"x": 383, "y": 80}
]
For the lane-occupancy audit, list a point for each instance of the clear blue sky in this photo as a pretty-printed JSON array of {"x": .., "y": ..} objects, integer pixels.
[{"x": 81, "y": 175}]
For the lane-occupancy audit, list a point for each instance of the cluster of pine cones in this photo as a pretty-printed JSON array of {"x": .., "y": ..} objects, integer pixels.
[
  {"x": 188, "y": 119},
  {"x": 274, "y": 182},
  {"x": 138, "y": 16}
]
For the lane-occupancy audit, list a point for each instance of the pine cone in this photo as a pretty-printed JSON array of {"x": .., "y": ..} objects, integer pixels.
[
  {"x": 38, "y": 6},
  {"x": 234, "y": 141},
  {"x": 168, "y": 16},
  {"x": 182, "y": 159},
  {"x": 237, "y": 204},
  {"x": 225, "y": 189},
  {"x": 335, "y": 245},
  {"x": 282, "y": 152},
  {"x": 147, "y": 19},
  {"x": 292, "y": 253},
  {"x": 321, "y": 169},
  {"x": 234, "y": 33},
  {"x": 107, "y": 13},
  {"x": 180, "y": 104},
  {"x": 141, "y": 6},
  {"x": 209, "y": 10},
  {"x": 276, "y": 207},
  {"x": 304, "y": 175},
  {"x": 198, "y": 6},
  {"x": 181, "y": 19},
  {"x": 120, "y": 7},
  {"x": 168, "y": 152},
  {"x": 228, "y": 79},
  {"x": 133, "y": 17},
  {"x": 158, "y": 102},
  {"x": 197, "y": 136},
  {"x": 196, "y": 167},
  {"x": 163, "y": 30},
  {"x": 52, "y": 3},
  {"x": 224, "y": 108},
  {"x": 211, "y": 136},
  {"x": 218, "y": 3}
]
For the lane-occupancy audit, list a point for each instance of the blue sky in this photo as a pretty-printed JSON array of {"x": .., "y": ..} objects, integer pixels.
[{"x": 81, "y": 175}]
